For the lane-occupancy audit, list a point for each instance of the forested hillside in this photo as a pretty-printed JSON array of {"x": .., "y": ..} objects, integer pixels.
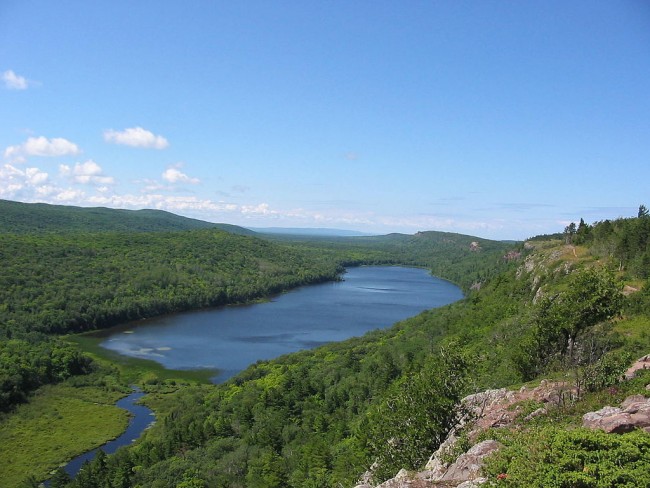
[
  {"x": 58, "y": 284},
  {"x": 59, "y": 277},
  {"x": 322, "y": 417},
  {"x": 20, "y": 218},
  {"x": 465, "y": 260}
]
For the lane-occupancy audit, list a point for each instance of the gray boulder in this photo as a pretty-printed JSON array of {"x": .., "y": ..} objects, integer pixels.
[{"x": 634, "y": 413}]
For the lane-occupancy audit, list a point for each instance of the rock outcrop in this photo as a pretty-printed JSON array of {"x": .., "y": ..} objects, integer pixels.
[
  {"x": 634, "y": 413},
  {"x": 466, "y": 467},
  {"x": 464, "y": 472},
  {"x": 641, "y": 363},
  {"x": 490, "y": 408},
  {"x": 501, "y": 408}
]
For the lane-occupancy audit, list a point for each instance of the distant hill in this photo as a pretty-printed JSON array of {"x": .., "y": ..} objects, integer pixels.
[
  {"x": 297, "y": 231},
  {"x": 23, "y": 218},
  {"x": 465, "y": 260}
]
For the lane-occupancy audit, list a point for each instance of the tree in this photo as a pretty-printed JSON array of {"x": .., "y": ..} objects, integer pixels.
[
  {"x": 582, "y": 234},
  {"x": 594, "y": 295},
  {"x": 191, "y": 479},
  {"x": 569, "y": 232},
  {"x": 417, "y": 414},
  {"x": 30, "y": 482},
  {"x": 266, "y": 471},
  {"x": 60, "y": 479},
  {"x": 643, "y": 211}
]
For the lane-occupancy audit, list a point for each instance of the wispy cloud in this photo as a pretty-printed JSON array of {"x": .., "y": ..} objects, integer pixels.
[
  {"x": 13, "y": 81},
  {"x": 136, "y": 137},
  {"x": 524, "y": 207},
  {"x": 174, "y": 175},
  {"x": 260, "y": 209},
  {"x": 41, "y": 146}
]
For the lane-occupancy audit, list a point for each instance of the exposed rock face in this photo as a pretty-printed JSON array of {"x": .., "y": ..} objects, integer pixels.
[
  {"x": 634, "y": 413},
  {"x": 641, "y": 363},
  {"x": 498, "y": 408},
  {"x": 512, "y": 255},
  {"x": 468, "y": 465},
  {"x": 462, "y": 473},
  {"x": 490, "y": 408}
]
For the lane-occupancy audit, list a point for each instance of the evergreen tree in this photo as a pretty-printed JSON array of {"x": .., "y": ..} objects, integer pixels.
[
  {"x": 582, "y": 234},
  {"x": 570, "y": 232},
  {"x": 60, "y": 479}
]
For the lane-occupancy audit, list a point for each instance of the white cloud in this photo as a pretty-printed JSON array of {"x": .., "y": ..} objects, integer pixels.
[
  {"x": 35, "y": 176},
  {"x": 13, "y": 81},
  {"x": 11, "y": 181},
  {"x": 14, "y": 180},
  {"x": 64, "y": 169},
  {"x": 89, "y": 168},
  {"x": 69, "y": 196},
  {"x": 41, "y": 146},
  {"x": 86, "y": 173},
  {"x": 136, "y": 137},
  {"x": 171, "y": 203},
  {"x": 261, "y": 209},
  {"x": 174, "y": 175}
]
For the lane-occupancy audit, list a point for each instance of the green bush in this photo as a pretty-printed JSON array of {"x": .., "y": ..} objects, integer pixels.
[{"x": 549, "y": 457}]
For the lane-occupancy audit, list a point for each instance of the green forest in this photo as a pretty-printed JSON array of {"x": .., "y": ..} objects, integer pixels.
[{"x": 574, "y": 305}]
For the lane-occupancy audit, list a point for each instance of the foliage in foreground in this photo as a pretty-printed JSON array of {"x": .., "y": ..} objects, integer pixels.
[
  {"x": 552, "y": 457},
  {"x": 416, "y": 415},
  {"x": 314, "y": 418},
  {"x": 296, "y": 421}
]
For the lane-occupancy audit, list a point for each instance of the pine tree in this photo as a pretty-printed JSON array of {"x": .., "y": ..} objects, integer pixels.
[{"x": 60, "y": 479}]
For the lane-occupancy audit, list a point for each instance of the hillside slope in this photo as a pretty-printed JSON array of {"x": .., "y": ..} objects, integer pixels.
[
  {"x": 388, "y": 399},
  {"x": 465, "y": 260},
  {"x": 20, "y": 218},
  {"x": 585, "y": 316},
  {"x": 74, "y": 280}
]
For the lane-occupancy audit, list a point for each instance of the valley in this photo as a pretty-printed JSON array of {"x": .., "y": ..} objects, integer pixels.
[{"x": 322, "y": 416}]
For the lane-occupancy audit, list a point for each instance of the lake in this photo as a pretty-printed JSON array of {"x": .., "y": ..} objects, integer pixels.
[{"x": 231, "y": 338}]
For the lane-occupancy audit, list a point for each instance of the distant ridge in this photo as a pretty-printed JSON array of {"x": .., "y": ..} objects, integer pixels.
[
  {"x": 320, "y": 231},
  {"x": 24, "y": 218}
]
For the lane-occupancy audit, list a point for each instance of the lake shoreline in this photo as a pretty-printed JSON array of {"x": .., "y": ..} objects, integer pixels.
[{"x": 229, "y": 338}]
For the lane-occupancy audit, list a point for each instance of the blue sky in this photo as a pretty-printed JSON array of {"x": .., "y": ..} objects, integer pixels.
[{"x": 501, "y": 119}]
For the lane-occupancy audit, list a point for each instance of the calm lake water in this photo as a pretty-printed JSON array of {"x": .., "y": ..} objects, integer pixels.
[{"x": 231, "y": 338}]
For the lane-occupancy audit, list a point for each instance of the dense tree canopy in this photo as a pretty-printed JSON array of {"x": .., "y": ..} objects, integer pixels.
[{"x": 319, "y": 417}]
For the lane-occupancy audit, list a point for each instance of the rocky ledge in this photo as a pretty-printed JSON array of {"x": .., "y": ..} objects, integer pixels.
[
  {"x": 634, "y": 413},
  {"x": 501, "y": 408}
]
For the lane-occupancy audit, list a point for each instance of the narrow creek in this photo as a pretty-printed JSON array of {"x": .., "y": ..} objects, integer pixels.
[{"x": 141, "y": 417}]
